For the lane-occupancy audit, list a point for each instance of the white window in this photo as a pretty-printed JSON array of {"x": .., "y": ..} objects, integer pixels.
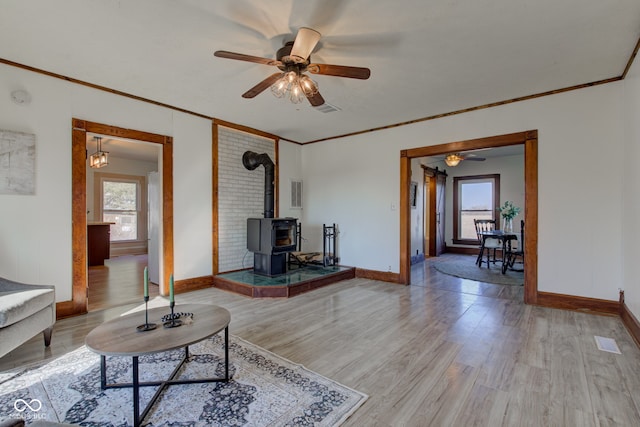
[
  {"x": 475, "y": 197},
  {"x": 121, "y": 205}
]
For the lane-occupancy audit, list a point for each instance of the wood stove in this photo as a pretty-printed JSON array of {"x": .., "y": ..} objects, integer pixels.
[{"x": 270, "y": 239}]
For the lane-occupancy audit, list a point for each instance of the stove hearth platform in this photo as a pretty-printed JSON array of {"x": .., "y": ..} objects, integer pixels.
[{"x": 294, "y": 282}]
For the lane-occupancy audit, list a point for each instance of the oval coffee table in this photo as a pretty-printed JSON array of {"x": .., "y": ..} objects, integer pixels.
[{"x": 120, "y": 337}]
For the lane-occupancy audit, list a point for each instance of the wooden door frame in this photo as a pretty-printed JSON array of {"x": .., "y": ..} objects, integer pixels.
[
  {"x": 530, "y": 141},
  {"x": 78, "y": 303}
]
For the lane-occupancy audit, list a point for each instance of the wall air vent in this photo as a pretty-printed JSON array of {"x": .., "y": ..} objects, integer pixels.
[
  {"x": 296, "y": 194},
  {"x": 327, "y": 108}
]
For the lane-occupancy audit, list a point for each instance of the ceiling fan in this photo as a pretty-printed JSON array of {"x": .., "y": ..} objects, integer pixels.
[
  {"x": 454, "y": 159},
  {"x": 293, "y": 59}
]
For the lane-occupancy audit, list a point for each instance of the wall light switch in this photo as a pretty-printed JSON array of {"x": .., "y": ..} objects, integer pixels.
[{"x": 393, "y": 206}]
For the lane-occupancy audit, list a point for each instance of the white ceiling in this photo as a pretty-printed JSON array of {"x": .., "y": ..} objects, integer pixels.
[{"x": 427, "y": 57}]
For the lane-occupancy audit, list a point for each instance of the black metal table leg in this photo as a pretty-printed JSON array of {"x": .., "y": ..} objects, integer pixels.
[
  {"x": 138, "y": 417},
  {"x": 226, "y": 353},
  {"x": 136, "y": 393},
  {"x": 103, "y": 372}
]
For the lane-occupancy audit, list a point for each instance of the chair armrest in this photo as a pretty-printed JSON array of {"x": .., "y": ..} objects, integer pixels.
[{"x": 7, "y": 285}]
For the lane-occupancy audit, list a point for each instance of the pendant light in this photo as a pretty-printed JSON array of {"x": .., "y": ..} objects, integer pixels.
[{"x": 100, "y": 158}]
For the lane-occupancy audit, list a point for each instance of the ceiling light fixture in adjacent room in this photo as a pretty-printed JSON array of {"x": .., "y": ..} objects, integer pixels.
[
  {"x": 453, "y": 159},
  {"x": 100, "y": 158}
]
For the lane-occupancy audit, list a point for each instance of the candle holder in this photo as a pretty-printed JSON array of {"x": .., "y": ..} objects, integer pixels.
[
  {"x": 147, "y": 326},
  {"x": 173, "y": 322}
]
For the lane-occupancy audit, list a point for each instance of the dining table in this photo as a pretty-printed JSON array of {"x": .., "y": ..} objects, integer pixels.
[{"x": 506, "y": 237}]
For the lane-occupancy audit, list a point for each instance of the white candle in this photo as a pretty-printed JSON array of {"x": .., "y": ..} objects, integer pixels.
[{"x": 146, "y": 282}]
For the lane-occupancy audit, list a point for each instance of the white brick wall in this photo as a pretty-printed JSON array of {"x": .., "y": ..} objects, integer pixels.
[{"x": 240, "y": 195}]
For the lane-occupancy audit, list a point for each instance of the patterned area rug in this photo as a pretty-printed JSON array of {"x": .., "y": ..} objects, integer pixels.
[
  {"x": 265, "y": 390},
  {"x": 467, "y": 269}
]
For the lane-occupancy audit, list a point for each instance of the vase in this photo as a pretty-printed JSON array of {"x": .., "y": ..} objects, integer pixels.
[{"x": 507, "y": 225}]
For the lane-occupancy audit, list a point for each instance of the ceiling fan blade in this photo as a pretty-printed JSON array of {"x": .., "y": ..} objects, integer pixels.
[
  {"x": 260, "y": 87},
  {"x": 305, "y": 41},
  {"x": 340, "y": 71},
  {"x": 475, "y": 159},
  {"x": 243, "y": 57},
  {"x": 315, "y": 99}
]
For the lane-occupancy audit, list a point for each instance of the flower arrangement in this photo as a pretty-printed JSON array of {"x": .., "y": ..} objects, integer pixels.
[{"x": 509, "y": 210}]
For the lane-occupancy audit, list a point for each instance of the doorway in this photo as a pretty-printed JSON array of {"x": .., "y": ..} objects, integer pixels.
[
  {"x": 121, "y": 202},
  {"x": 530, "y": 141},
  {"x": 79, "y": 302}
]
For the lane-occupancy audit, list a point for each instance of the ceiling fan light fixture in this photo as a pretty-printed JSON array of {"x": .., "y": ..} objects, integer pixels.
[
  {"x": 309, "y": 87},
  {"x": 296, "y": 95},
  {"x": 294, "y": 86},
  {"x": 280, "y": 87},
  {"x": 452, "y": 160},
  {"x": 305, "y": 41}
]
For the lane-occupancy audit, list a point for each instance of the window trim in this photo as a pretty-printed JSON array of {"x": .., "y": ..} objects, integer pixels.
[{"x": 456, "y": 204}]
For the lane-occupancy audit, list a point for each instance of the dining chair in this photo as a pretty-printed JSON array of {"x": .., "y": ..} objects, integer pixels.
[
  {"x": 487, "y": 245},
  {"x": 513, "y": 253}
]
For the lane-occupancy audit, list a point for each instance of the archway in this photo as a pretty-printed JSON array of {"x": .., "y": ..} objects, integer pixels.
[
  {"x": 78, "y": 303},
  {"x": 530, "y": 141}
]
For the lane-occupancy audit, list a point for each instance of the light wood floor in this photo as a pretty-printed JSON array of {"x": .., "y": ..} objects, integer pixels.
[
  {"x": 118, "y": 281},
  {"x": 443, "y": 351}
]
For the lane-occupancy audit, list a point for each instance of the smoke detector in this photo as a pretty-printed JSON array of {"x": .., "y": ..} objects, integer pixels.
[{"x": 21, "y": 97}]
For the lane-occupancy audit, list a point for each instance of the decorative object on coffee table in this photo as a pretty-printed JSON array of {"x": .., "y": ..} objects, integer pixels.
[{"x": 146, "y": 326}]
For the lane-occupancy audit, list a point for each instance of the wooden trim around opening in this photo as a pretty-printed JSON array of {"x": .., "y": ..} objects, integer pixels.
[
  {"x": 530, "y": 141},
  {"x": 215, "y": 216},
  {"x": 78, "y": 304}
]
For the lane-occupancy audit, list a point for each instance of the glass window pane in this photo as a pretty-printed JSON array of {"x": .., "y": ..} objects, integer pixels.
[
  {"x": 119, "y": 195},
  {"x": 476, "y": 201},
  {"x": 477, "y": 196},
  {"x": 119, "y": 205},
  {"x": 125, "y": 227}
]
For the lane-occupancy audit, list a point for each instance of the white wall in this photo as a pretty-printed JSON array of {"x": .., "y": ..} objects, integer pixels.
[
  {"x": 35, "y": 231},
  {"x": 631, "y": 186},
  {"x": 355, "y": 182},
  {"x": 289, "y": 168}
]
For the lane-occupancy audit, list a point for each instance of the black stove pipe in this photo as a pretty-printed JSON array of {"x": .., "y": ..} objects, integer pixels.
[{"x": 252, "y": 160}]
